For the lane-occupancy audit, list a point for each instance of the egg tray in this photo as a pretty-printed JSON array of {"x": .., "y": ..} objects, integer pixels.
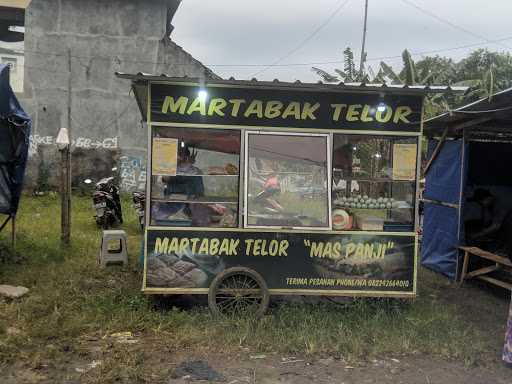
[{"x": 364, "y": 203}]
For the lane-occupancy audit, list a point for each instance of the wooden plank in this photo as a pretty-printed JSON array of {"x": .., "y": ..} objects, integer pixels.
[
  {"x": 482, "y": 271},
  {"x": 496, "y": 282},
  {"x": 472, "y": 122},
  {"x": 487, "y": 255},
  {"x": 438, "y": 148},
  {"x": 464, "y": 267},
  {"x": 439, "y": 202}
]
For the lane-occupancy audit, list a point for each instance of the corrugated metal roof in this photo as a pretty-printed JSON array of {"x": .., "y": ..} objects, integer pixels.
[
  {"x": 492, "y": 114},
  {"x": 318, "y": 86}
]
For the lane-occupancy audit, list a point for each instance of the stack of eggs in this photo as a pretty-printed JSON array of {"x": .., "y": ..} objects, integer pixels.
[{"x": 365, "y": 202}]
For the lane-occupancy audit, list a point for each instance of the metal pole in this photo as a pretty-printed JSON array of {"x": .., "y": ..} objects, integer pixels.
[
  {"x": 13, "y": 223},
  {"x": 66, "y": 171},
  {"x": 69, "y": 90},
  {"x": 68, "y": 194},
  {"x": 65, "y": 197},
  {"x": 68, "y": 151},
  {"x": 361, "y": 61}
]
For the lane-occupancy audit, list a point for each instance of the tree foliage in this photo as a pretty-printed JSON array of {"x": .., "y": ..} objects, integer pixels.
[
  {"x": 348, "y": 74},
  {"x": 483, "y": 71}
]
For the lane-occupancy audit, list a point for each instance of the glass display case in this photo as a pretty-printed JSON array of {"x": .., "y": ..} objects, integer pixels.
[
  {"x": 287, "y": 180},
  {"x": 357, "y": 182},
  {"x": 374, "y": 182},
  {"x": 199, "y": 185}
]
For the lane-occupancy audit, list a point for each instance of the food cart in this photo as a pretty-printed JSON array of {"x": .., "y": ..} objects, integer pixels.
[{"x": 271, "y": 188}]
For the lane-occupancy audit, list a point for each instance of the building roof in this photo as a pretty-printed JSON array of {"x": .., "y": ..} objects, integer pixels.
[
  {"x": 489, "y": 117},
  {"x": 22, "y": 4},
  {"x": 8, "y": 51}
]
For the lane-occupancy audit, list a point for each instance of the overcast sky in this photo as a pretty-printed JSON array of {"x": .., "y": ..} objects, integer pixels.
[{"x": 243, "y": 32}]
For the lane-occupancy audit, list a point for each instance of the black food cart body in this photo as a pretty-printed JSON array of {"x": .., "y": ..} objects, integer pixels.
[{"x": 311, "y": 186}]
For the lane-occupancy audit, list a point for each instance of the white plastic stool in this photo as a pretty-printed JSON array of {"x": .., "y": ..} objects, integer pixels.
[{"x": 108, "y": 255}]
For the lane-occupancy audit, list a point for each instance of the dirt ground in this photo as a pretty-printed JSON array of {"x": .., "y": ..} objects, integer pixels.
[
  {"x": 150, "y": 360},
  {"x": 410, "y": 370},
  {"x": 272, "y": 369}
]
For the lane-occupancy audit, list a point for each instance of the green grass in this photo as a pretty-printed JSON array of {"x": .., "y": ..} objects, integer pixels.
[{"x": 72, "y": 300}]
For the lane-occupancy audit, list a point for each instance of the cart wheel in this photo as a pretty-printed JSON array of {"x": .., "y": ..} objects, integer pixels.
[{"x": 238, "y": 291}]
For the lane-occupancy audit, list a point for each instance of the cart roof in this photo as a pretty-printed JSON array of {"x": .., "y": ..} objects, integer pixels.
[{"x": 140, "y": 82}]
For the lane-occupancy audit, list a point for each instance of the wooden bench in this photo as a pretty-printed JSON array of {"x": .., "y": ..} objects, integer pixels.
[{"x": 499, "y": 263}]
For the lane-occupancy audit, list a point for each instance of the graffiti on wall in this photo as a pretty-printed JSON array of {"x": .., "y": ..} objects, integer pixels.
[
  {"x": 132, "y": 168},
  {"x": 79, "y": 142},
  {"x": 36, "y": 141},
  {"x": 133, "y": 173},
  {"x": 86, "y": 143}
]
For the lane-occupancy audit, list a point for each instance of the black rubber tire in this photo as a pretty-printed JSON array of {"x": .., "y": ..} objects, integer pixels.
[{"x": 231, "y": 274}]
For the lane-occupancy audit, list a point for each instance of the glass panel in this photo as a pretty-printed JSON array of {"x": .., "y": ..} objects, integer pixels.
[
  {"x": 203, "y": 192},
  {"x": 373, "y": 182},
  {"x": 287, "y": 181}
]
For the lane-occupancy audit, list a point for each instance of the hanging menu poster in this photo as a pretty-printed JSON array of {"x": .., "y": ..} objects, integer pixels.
[
  {"x": 404, "y": 161},
  {"x": 164, "y": 157}
]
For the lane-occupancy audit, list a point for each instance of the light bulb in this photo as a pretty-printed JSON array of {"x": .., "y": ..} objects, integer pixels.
[{"x": 202, "y": 94}]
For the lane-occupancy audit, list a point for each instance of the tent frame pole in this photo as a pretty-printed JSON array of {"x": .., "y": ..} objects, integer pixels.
[
  {"x": 438, "y": 148},
  {"x": 5, "y": 222},
  {"x": 13, "y": 231},
  {"x": 12, "y": 218},
  {"x": 461, "y": 199}
]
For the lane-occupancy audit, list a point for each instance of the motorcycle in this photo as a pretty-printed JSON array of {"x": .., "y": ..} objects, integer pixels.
[
  {"x": 106, "y": 202},
  {"x": 139, "y": 203}
]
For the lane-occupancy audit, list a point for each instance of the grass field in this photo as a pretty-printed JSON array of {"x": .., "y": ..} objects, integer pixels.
[{"x": 72, "y": 300}]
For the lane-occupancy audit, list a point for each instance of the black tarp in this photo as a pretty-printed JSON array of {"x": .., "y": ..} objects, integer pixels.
[{"x": 15, "y": 127}]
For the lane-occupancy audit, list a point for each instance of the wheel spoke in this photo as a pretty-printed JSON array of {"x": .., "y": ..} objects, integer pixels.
[{"x": 229, "y": 304}]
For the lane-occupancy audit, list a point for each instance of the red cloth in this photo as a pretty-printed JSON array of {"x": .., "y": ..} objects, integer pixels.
[{"x": 272, "y": 182}]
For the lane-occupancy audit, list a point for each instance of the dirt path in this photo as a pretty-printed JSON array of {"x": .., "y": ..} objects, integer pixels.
[
  {"x": 273, "y": 369},
  {"x": 409, "y": 370}
]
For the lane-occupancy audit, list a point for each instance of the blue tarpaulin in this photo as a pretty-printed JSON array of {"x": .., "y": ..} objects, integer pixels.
[
  {"x": 441, "y": 229},
  {"x": 15, "y": 127}
]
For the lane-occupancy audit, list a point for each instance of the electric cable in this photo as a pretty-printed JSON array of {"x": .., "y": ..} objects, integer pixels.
[
  {"x": 419, "y": 53},
  {"x": 305, "y": 41},
  {"x": 447, "y": 22}
]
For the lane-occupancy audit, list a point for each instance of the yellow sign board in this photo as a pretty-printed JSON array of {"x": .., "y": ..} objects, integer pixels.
[
  {"x": 164, "y": 159},
  {"x": 404, "y": 161}
]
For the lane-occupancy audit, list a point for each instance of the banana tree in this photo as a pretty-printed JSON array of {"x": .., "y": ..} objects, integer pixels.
[
  {"x": 349, "y": 73},
  {"x": 428, "y": 73}
]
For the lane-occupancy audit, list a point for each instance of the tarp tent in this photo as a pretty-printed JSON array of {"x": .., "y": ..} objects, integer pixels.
[
  {"x": 15, "y": 127},
  {"x": 469, "y": 148},
  {"x": 441, "y": 230}
]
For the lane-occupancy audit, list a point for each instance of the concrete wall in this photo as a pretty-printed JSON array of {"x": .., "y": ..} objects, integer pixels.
[{"x": 101, "y": 37}]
